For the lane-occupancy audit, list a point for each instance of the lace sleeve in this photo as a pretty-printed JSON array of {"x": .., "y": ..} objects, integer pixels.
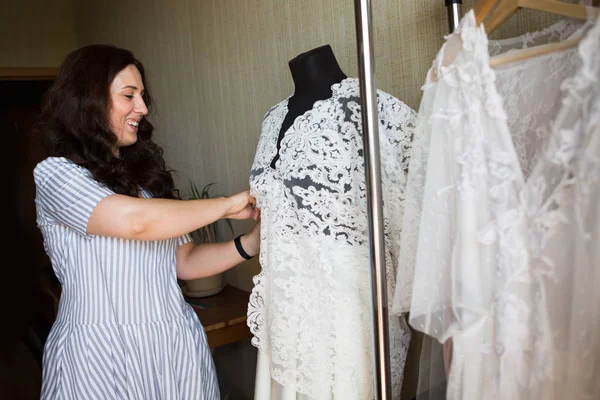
[
  {"x": 397, "y": 125},
  {"x": 415, "y": 186},
  {"x": 448, "y": 210},
  {"x": 397, "y": 131}
]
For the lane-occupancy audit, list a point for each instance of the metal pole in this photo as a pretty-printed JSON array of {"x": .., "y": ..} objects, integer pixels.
[
  {"x": 368, "y": 95},
  {"x": 454, "y": 13}
]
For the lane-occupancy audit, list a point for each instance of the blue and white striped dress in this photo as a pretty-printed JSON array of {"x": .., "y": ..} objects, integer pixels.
[{"x": 123, "y": 330}]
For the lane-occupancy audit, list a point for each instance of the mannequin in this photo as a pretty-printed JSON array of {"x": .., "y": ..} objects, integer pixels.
[
  {"x": 314, "y": 260},
  {"x": 313, "y": 72}
]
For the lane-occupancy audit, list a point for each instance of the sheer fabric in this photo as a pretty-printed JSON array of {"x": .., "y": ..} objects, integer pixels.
[
  {"x": 501, "y": 220},
  {"x": 310, "y": 309}
]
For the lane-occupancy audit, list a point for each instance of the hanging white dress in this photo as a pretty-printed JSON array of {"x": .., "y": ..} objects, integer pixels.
[
  {"x": 310, "y": 310},
  {"x": 502, "y": 223}
]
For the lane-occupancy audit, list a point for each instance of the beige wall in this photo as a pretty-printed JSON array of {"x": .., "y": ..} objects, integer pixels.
[
  {"x": 35, "y": 33},
  {"x": 216, "y": 66}
]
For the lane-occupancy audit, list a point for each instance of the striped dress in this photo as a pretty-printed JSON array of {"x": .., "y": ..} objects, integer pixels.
[{"x": 123, "y": 329}]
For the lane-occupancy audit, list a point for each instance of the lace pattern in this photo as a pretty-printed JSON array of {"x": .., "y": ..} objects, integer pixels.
[
  {"x": 501, "y": 201},
  {"x": 310, "y": 307}
]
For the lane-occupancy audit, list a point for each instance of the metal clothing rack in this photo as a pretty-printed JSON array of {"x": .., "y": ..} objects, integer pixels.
[
  {"x": 368, "y": 95},
  {"x": 454, "y": 13}
]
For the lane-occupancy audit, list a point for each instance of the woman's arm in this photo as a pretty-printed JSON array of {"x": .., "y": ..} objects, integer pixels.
[
  {"x": 158, "y": 219},
  {"x": 199, "y": 261}
]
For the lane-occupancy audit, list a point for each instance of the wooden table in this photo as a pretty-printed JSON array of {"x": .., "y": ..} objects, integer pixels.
[{"x": 223, "y": 316}]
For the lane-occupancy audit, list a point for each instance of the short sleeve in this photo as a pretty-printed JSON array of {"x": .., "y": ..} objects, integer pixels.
[
  {"x": 66, "y": 194},
  {"x": 184, "y": 239}
]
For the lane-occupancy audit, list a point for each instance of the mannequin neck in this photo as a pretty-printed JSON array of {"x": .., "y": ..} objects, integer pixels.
[{"x": 314, "y": 72}]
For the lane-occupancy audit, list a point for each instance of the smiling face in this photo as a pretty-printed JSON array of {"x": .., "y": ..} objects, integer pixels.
[{"x": 127, "y": 107}]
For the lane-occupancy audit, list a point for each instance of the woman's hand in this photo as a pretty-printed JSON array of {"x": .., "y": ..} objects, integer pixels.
[
  {"x": 242, "y": 206},
  {"x": 251, "y": 241}
]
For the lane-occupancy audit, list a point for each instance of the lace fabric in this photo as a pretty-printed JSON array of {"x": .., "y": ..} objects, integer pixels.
[
  {"x": 501, "y": 211},
  {"x": 310, "y": 308}
]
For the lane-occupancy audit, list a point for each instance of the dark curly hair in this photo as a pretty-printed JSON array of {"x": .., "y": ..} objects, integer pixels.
[{"x": 75, "y": 124}]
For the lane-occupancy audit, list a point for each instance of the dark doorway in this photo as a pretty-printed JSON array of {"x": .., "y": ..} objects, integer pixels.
[{"x": 26, "y": 308}]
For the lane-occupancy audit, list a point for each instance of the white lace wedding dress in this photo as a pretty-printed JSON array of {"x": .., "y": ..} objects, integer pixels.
[
  {"x": 502, "y": 225},
  {"x": 310, "y": 310}
]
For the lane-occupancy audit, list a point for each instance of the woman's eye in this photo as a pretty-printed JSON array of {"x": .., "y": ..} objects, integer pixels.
[{"x": 129, "y": 96}]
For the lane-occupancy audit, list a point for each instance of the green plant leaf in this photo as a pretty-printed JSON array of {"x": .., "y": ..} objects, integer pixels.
[
  {"x": 205, "y": 190},
  {"x": 210, "y": 232},
  {"x": 194, "y": 190}
]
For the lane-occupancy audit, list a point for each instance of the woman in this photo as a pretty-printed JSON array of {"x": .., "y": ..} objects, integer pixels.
[{"x": 117, "y": 237}]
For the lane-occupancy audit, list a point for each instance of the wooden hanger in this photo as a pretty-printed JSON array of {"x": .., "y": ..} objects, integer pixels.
[{"x": 507, "y": 8}]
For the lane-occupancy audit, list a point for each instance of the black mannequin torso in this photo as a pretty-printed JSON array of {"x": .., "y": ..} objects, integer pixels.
[{"x": 314, "y": 72}]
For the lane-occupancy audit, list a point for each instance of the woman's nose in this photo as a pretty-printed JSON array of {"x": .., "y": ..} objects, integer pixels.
[{"x": 141, "y": 107}]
